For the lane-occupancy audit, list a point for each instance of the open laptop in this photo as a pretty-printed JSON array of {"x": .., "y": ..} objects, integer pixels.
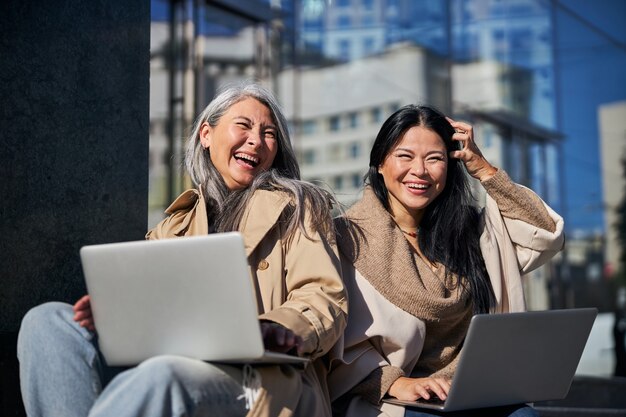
[
  {"x": 189, "y": 296},
  {"x": 515, "y": 358}
]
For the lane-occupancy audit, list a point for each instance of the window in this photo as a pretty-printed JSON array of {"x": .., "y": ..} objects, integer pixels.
[
  {"x": 368, "y": 4},
  {"x": 344, "y": 21},
  {"x": 334, "y": 123},
  {"x": 357, "y": 181},
  {"x": 343, "y": 49},
  {"x": 338, "y": 182},
  {"x": 377, "y": 115},
  {"x": 309, "y": 127},
  {"x": 354, "y": 150},
  {"x": 309, "y": 157},
  {"x": 353, "y": 119},
  {"x": 368, "y": 46},
  {"x": 368, "y": 20}
]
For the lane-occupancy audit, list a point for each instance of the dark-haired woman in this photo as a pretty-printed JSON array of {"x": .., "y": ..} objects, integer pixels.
[{"x": 419, "y": 259}]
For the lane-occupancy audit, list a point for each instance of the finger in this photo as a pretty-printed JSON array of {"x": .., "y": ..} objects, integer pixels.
[
  {"x": 299, "y": 345},
  {"x": 279, "y": 335},
  {"x": 264, "y": 330},
  {"x": 462, "y": 140},
  {"x": 446, "y": 384},
  {"x": 462, "y": 126},
  {"x": 88, "y": 324},
  {"x": 82, "y": 303},
  {"x": 82, "y": 315},
  {"x": 437, "y": 387},
  {"x": 422, "y": 391},
  {"x": 290, "y": 338}
]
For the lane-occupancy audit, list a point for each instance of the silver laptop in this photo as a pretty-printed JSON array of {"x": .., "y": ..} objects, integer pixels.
[
  {"x": 189, "y": 296},
  {"x": 516, "y": 358}
]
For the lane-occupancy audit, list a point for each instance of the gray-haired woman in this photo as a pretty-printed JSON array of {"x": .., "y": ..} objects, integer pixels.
[{"x": 247, "y": 178}]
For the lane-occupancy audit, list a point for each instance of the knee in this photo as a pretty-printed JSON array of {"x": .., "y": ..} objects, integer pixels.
[
  {"x": 174, "y": 373},
  {"x": 47, "y": 315},
  {"x": 39, "y": 321},
  {"x": 167, "y": 368}
]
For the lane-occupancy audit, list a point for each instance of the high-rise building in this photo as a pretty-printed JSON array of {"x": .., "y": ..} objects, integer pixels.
[
  {"x": 612, "y": 118},
  {"x": 336, "y": 111}
]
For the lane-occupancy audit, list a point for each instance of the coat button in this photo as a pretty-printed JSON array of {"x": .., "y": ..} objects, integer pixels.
[{"x": 263, "y": 265}]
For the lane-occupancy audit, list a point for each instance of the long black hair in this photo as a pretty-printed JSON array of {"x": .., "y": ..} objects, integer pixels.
[{"x": 450, "y": 226}]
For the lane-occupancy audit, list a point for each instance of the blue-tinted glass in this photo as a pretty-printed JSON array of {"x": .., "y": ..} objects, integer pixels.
[{"x": 344, "y": 21}]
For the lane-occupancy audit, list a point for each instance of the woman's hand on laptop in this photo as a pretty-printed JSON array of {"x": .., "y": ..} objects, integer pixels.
[
  {"x": 278, "y": 338},
  {"x": 82, "y": 313},
  {"x": 411, "y": 389}
]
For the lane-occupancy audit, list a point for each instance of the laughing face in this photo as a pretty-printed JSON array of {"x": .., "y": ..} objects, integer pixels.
[
  {"x": 415, "y": 172},
  {"x": 243, "y": 143}
]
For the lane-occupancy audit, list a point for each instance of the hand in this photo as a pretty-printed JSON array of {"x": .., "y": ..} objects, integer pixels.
[
  {"x": 476, "y": 164},
  {"x": 411, "y": 389},
  {"x": 278, "y": 338},
  {"x": 82, "y": 313}
]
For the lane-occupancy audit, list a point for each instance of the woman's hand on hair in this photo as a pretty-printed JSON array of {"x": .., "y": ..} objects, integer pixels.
[
  {"x": 82, "y": 313},
  {"x": 411, "y": 389},
  {"x": 476, "y": 164},
  {"x": 278, "y": 338}
]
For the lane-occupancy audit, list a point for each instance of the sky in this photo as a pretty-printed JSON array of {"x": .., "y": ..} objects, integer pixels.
[{"x": 591, "y": 52}]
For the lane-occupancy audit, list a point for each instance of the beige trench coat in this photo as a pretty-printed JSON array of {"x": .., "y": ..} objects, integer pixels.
[{"x": 298, "y": 285}]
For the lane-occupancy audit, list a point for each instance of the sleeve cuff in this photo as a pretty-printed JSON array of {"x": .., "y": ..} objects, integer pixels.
[
  {"x": 518, "y": 202},
  {"x": 376, "y": 385},
  {"x": 297, "y": 323}
]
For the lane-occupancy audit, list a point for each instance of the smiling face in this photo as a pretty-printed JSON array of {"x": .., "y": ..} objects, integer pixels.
[
  {"x": 243, "y": 143},
  {"x": 414, "y": 172}
]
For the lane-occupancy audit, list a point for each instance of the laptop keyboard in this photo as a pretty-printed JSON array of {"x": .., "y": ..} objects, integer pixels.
[{"x": 432, "y": 400}]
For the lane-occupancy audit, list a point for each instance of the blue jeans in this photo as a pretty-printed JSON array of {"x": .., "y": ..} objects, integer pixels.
[
  {"x": 520, "y": 410},
  {"x": 62, "y": 373}
]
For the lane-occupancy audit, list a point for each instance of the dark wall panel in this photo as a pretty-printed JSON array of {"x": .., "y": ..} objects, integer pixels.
[{"x": 74, "y": 101}]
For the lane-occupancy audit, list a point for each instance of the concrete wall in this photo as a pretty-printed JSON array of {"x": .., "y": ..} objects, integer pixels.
[{"x": 74, "y": 96}]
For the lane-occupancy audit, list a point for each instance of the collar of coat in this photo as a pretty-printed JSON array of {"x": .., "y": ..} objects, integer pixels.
[
  {"x": 188, "y": 215},
  {"x": 370, "y": 239}
]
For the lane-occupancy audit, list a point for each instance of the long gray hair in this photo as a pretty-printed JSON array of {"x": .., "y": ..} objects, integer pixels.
[{"x": 225, "y": 207}]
